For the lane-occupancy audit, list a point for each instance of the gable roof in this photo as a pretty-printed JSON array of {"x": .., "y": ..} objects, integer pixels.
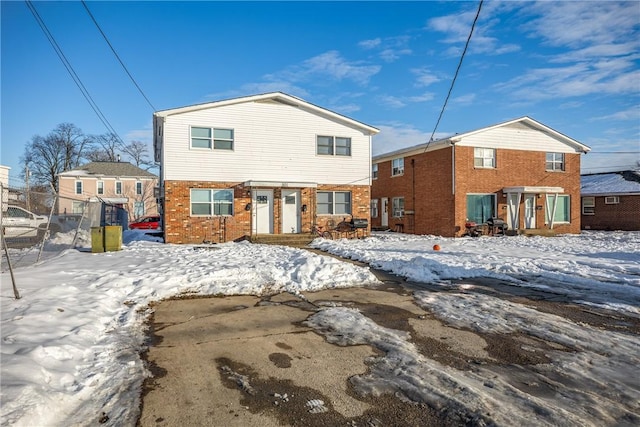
[
  {"x": 271, "y": 96},
  {"x": 610, "y": 183},
  {"x": 453, "y": 139},
  {"x": 109, "y": 169}
]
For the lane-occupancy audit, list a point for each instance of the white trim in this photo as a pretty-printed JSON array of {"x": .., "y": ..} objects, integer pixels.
[
  {"x": 280, "y": 184},
  {"x": 525, "y": 189}
]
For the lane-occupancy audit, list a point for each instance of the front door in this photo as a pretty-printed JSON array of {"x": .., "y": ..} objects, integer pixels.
[
  {"x": 290, "y": 211},
  {"x": 529, "y": 211},
  {"x": 262, "y": 212},
  {"x": 384, "y": 210}
]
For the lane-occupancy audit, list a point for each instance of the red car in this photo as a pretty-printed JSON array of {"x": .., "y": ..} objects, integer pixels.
[{"x": 150, "y": 222}]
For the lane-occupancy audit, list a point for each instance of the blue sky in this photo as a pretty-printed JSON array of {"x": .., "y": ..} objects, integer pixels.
[{"x": 573, "y": 66}]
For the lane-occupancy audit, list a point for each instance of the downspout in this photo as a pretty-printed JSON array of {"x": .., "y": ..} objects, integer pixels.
[{"x": 413, "y": 193}]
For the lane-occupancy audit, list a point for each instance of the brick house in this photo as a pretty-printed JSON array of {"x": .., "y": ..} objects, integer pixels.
[
  {"x": 118, "y": 183},
  {"x": 521, "y": 171},
  {"x": 611, "y": 201},
  {"x": 261, "y": 164}
]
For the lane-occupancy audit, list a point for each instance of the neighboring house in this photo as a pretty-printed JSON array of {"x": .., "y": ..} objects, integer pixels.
[
  {"x": 262, "y": 164},
  {"x": 4, "y": 181},
  {"x": 118, "y": 183},
  {"x": 611, "y": 201},
  {"x": 521, "y": 171}
]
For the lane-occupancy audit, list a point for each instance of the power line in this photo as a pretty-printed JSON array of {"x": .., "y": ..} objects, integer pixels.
[
  {"x": 117, "y": 56},
  {"x": 455, "y": 76},
  {"x": 71, "y": 71}
]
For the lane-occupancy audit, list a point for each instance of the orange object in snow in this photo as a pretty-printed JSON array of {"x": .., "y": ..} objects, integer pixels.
[{"x": 436, "y": 247}]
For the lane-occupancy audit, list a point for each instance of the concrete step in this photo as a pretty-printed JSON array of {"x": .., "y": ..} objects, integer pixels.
[{"x": 295, "y": 240}]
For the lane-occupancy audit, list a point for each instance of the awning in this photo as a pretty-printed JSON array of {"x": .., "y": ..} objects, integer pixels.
[
  {"x": 280, "y": 184},
  {"x": 529, "y": 190},
  {"x": 110, "y": 200}
]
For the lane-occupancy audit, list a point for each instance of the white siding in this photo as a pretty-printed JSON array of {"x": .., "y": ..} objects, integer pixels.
[
  {"x": 273, "y": 142},
  {"x": 517, "y": 136}
]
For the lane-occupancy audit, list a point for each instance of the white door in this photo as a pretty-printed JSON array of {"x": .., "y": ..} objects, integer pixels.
[
  {"x": 384, "y": 211},
  {"x": 529, "y": 211},
  {"x": 262, "y": 212},
  {"x": 290, "y": 211}
]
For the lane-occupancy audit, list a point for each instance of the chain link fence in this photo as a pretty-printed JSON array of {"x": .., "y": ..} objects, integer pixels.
[{"x": 38, "y": 225}]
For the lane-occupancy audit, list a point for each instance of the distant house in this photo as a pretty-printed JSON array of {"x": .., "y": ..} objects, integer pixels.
[
  {"x": 262, "y": 164},
  {"x": 611, "y": 201},
  {"x": 520, "y": 171},
  {"x": 4, "y": 180},
  {"x": 118, "y": 183}
]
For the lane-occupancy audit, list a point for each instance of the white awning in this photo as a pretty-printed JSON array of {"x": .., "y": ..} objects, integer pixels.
[
  {"x": 111, "y": 200},
  {"x": 280, "y": 184},
  {"x": 528, "y": 190}
]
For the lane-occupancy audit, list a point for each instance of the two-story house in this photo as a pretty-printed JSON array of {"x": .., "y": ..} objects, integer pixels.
[
  {"x": 520, "y": 171},
  {"x": 118, "y": 183},
  {"x": 263, "y": 164}
]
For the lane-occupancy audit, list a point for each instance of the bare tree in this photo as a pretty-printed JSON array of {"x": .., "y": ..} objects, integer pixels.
[
  {"x": 139, "y": 154},
  {"x": 61, "y": 150}
]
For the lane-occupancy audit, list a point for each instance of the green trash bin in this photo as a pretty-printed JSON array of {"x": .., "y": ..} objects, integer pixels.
[
  {"x": 97, "y": 239},
  {"x": 112, "y": 238}
]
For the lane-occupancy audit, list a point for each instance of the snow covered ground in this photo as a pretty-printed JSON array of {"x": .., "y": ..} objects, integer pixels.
[{"x": 70, "y": 346}]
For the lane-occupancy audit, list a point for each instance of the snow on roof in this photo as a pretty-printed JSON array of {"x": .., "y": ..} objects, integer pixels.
[{"x": 625, "y": 182}]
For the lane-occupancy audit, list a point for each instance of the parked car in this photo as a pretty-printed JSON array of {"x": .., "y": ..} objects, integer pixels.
[
  {"x": 18, "y": 222},
  {"x": 149, "y": 222}
]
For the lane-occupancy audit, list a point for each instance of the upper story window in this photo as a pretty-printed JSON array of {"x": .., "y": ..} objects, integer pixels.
[
  {"x": 138, "y": 187},
  {"x": 374, "y": 171},
  {"x": 484, "y": 157},
  {"x": 555, "y": 162},
  {"x": 206, "y": 202},
  {"x": 333, "y": 145},
  {"x": 78, "y": 187},
  {"x": 118, "y": 187},
  {"x": 100, "y": 187},
  {"x": 216, "y": 138},
  {"x": 397, "y": 166}
]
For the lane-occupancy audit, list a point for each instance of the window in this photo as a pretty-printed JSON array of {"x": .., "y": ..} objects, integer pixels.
[
  {"x": 374, "y": 208},
  {"x": 138, "y": 188},
  {"x": 563, "y": 211},
  {"x": 219, "y": 139},
  {"x": 205, "y": 202},
  {"x": 77, "y": 207},
  {"x": 588, "y": 206},
  {"x": 330, "y": 145},
  {"x": 334, "y": 202},
  {"x": 397, "y": 166},
  {"x": 484, "y": 157},
  {"x": 555, "y": 162},
  {"x": 480, "y": 207},
  {"x": 138, "y": 209},
  {"x": 374, "y": 171},
  {"x": 611, "y": 200},
  {"x": 78, "y": 187},
  {"x": 100, "y": 188},
  {"x": 118, "y": 187},
  {"x": 397, "y": 204}
]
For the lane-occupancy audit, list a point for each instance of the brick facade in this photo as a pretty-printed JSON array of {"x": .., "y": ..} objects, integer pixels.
[
  {"x": 436, "y": 204},
  {"x": 181, "y": 227},
  {"x": 624, "y": 215}
]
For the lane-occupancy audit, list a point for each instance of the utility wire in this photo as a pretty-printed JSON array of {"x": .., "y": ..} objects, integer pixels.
[
  {"x": 117, "y": 56},
  {"x": 455, "y": 76},
  {"x": 71, "y": 71}
]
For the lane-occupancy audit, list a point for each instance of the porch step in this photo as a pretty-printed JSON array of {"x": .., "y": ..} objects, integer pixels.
[
  {"x": 532, "y": 232},
  {"x": 295, "y": 240}
]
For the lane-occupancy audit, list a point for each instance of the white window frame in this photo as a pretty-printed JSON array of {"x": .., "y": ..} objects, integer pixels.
[
  {"x": 213, "y": 141},
  {"x": 213, "y": 203},
  {"x": 484, "y": 158},
  {"x": 588, "y": 206},
  {"x": 374, "y": 208},
  {"x": 78, "y": 187},
  {"x": 611, "y": 200},
  {"x": 397, "y": 207},
  {"x": 118, "y": 187},
  {"x": 555, "y": 162},
  {"x": 333, "y": 145},
  {"x": 397, "y": 166},
  {"x": 331, "y": 206},
  {"x": 77, "y": 207},
  {"x": 100, "y": 188},
  {"x": 139, "y": 188},
  {"x": 374, "y": 171}
]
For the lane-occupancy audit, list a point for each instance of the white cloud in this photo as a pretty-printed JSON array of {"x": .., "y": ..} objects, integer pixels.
[
  {"x": 465, "y": 99},
  {"x": 370, "y": 44},
  {"x": 632, "y": 113},
  {"x": 390, "y": 48},
  {"x": 424, "y": 77},
  {"x": 395, "y": 136}
]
